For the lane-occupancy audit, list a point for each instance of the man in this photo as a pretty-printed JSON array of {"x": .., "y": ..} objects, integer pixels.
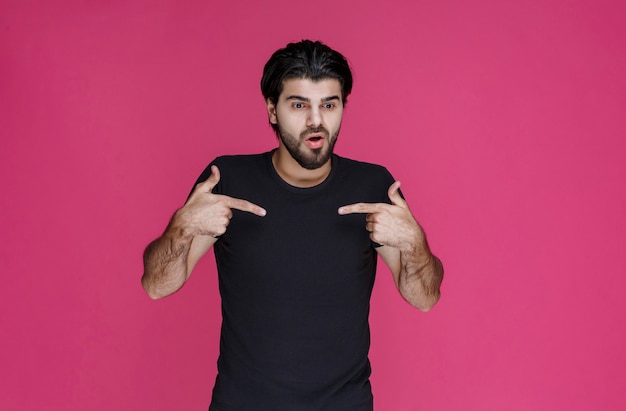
[{"x": 296, "y": 233}]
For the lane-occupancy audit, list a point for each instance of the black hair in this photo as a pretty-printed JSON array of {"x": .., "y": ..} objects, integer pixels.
[{"x": 306, "y": 60}]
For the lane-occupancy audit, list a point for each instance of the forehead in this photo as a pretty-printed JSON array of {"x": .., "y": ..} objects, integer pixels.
[{"x": 312, "y": 90}]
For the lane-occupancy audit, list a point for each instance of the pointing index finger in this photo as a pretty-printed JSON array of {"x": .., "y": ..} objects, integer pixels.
[
  {"x": 244, "y": 205},
  {"x": 359, "y": 208}
]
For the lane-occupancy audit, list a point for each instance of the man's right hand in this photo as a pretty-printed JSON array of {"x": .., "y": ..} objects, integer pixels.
[
  {"x": 209, "y": 214},
  {"x": 170, "y": 259}
]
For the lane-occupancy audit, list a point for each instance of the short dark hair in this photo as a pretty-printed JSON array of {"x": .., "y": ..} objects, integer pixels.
[{"x": 306, "y": 60}]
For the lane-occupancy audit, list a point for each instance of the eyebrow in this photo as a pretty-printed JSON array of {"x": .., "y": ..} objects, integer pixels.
[{"x": 308, "y": 100}]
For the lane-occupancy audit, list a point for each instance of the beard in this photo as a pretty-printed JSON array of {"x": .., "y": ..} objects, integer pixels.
[{"x": 308, "y": 158}]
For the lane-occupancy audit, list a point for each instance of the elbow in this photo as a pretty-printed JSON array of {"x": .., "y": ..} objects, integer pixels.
[
  {"x": 426, "y": 306},
  {"x": 153, "y": 295},
  {"x": 157, "y": 287},
  {"x": 424, "y": 303},
  {"x": 152, "y": 291}
]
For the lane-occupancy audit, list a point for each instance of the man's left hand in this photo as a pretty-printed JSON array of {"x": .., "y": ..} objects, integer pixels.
[{"x": 389, "y": 224}]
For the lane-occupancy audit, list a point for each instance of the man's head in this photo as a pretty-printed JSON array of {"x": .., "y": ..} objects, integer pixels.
[
  {"x": 305, "y": 86},
  {"x": 305, "y": 60}
]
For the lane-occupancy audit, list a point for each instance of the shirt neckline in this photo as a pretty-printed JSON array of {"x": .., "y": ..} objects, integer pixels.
[{"x": 301, "y": 190}]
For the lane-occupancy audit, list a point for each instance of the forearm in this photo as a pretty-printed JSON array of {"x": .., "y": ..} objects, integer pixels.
[
  {"x": 420, "y": 277},
  {"x": 165, "y": 262}
]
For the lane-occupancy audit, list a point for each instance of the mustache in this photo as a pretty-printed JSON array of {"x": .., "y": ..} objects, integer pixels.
[{"x": 314, "y": 130}]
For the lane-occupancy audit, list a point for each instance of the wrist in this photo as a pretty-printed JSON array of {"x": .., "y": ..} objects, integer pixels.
[
  {"x": 415, "y": 243},
  {"x": 180, "y": 226}
]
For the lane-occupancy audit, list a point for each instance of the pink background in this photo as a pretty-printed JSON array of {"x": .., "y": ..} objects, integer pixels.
[{"x": 505, "y": 122}]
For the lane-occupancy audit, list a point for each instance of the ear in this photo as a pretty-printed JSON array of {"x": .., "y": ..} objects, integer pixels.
[{"x": 271, "y": 111}]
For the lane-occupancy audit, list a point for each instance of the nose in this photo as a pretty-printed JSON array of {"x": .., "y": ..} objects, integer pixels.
[{"x": 314, "y": 118}]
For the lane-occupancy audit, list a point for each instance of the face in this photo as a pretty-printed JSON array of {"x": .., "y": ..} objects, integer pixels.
[{"x": 308, "y": 115}]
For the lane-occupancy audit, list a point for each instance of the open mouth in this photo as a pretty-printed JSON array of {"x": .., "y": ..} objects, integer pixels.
[{"x": 315, "y": 141}]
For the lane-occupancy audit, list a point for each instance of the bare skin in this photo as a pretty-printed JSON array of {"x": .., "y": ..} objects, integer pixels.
[
  {"x": 170, "y": 259},
  {"x": 417, "y": 272}
]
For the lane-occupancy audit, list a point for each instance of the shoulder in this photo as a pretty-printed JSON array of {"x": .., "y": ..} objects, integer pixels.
[
  {"x": 240, "y": 160},
  {"x": 350, "y": 163},
  {"x": 362, "y": 169},
  {"x": 236, "y": 164},
  {"x": 359, "y": 181}
]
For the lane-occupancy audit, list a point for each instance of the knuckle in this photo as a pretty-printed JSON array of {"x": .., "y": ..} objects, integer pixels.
[{"x": 220, "y": 230}]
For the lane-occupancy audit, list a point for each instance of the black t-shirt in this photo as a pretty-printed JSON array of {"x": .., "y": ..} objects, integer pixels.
[{"x": 295, "y": 287}]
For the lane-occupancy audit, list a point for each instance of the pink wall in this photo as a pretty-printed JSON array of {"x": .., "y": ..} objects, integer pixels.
[{"x": 505, "y": 121}]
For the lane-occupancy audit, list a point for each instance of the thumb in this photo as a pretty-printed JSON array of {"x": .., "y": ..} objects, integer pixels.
[
  {"x": 213, "y": 179},
  {"x": 394, "y": 195}
]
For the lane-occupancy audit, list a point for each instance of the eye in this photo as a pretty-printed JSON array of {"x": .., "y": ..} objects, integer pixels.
[
  {"x": 328, "y": 106},
  {"x": 298, "y": 105}
]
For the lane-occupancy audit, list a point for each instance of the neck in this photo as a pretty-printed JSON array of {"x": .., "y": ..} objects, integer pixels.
[{"x": 294, "y": 174}]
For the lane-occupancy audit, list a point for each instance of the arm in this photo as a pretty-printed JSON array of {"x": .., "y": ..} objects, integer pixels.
[
  {"x": 417, "y": 272},
  {"x": 170, "y": 259}
]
